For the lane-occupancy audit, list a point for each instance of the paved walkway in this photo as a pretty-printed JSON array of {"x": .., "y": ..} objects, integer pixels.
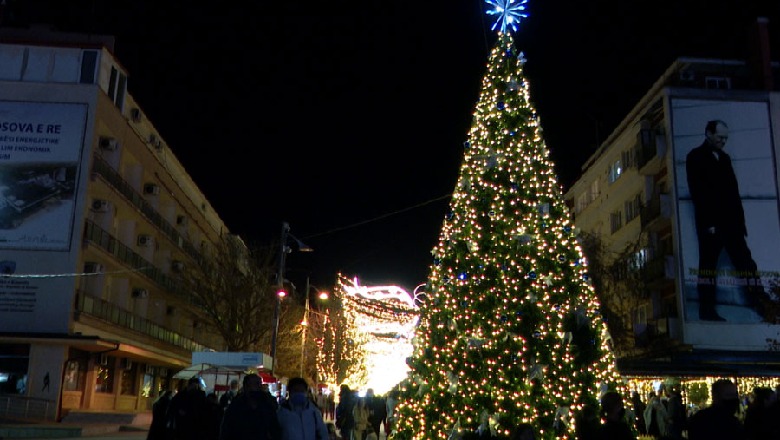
[{"x": 122, "y": 435}]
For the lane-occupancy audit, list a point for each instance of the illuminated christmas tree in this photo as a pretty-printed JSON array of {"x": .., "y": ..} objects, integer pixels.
[{"x": 510, "y": 330}]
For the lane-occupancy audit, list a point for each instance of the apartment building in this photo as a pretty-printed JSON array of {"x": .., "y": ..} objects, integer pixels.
[
  {"x": 98, "y": 221},
  {"x": 634, "y": 198}
]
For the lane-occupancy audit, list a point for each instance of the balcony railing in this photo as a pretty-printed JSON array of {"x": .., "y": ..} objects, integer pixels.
[
  {"x": 101, "y": 238},
  {"x": 115, "y": 179},
  {"x": 657, "y": 208},
  {"x": 659, "y": 269},
  {"x": 114, "y": 314}
]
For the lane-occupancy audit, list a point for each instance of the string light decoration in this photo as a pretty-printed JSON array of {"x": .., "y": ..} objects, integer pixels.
[
  {"x": 510, "y": 330},
  {"x": 368, "y": 336}
]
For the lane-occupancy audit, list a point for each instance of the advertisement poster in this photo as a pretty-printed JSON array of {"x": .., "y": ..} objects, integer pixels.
[
  {"x": 729, "y": 227},
  {"x": 40, "y": 154},
  {"x": 40, "y": 150}
]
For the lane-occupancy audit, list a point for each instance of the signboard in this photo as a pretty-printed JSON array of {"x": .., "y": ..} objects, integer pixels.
[
  {"x": 40, "y": 158},
  {"x": 728, "y": 223},
  {"x": 40, "y": 150}
]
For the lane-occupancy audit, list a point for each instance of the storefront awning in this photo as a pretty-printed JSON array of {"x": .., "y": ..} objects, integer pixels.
[{"x": 201, "y": 369}]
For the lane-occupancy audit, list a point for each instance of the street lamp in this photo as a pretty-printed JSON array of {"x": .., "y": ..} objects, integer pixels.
[
  {"x": 305, "y": 321},
  {"x": 281, "y": 293}
]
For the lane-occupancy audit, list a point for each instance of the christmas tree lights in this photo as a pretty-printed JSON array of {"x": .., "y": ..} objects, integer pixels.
[{"x": 510, "y": 330}]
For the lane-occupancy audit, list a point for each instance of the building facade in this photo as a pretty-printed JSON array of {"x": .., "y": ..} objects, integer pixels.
[
  {"x": 634, "y": 204},
  {"x": 98, "y": 220}
]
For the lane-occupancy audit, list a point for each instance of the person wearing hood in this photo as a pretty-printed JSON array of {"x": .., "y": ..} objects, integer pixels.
[
  {"x": 299, "y": 418},
  {"x": 251, "y": 414}
]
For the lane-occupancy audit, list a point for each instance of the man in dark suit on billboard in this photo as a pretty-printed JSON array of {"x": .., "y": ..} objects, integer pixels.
[{"x": 720, "y": 221}]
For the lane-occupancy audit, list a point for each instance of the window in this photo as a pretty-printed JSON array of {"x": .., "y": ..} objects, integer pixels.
[
  {"x": 112, "y": 83},
  {"x": 717, "y": 82},
  {"x": 88, "y": 65},
  {"x": 639, "y": 259},
  {"x": 75, "y": 373},
  {"x": 628, "y": 158},
  {"x": 594, "y": 190},
  {"x": 615, "y": 221},
  {"x": 582, "y": 202},
  {"x": 14, "y": 363},
  {"x": 127, "y": 381},
  {"x": 615, "y": 171},
  {"x": 121, "y": 89},
  {"x": 633, "y": 208},
  {"x": 104, "y": 377}
]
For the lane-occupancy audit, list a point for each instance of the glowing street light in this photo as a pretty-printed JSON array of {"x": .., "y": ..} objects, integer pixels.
[
  {"x": 305, "y": 322},
  {"x": 281, "y": 293}
]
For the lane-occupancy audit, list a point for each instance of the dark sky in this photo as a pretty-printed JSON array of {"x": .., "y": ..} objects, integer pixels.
[{"x": 346, "y": 118}]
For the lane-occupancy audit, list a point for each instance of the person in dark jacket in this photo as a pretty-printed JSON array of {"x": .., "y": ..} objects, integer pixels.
[
  {"x": 378, "y": 410},
  {"x": 251, "y": 415},
  {"x": 212, "y": 417},
  {"x": 225, "y": 399},
  {"x": 158, "y": 430},
  {"x": 639, "y": 412},
  {"x": 718, "y": 421},
  {"x": 615, "y": 426},
  {"x": 345, "y": 419},
  {"x": 186, "y": 411}
]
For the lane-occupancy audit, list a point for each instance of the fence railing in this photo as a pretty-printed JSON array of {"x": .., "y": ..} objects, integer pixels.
[{"x": 23, "y": 407}]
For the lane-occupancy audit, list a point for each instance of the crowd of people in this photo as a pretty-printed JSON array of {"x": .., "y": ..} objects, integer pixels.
[
  {"x": 248, "y": 412},
  {"x": 665, "y": 415},
  {"x": 252, "y": 412}
]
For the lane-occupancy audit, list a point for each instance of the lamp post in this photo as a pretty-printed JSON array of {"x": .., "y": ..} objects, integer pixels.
[
  {"x": 305, "y": 321},
  {"x": 281, "y": 293}
]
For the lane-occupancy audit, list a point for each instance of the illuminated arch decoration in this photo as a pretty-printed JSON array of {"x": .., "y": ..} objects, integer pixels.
[{"x": 375, "y": 325}]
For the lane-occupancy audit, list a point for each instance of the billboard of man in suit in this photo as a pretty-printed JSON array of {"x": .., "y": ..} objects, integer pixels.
[
  {"x": 720, "y": 221},
  {"x": 727, "y": 217}
]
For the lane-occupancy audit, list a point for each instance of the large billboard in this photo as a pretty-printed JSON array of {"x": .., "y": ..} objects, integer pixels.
[
  {"x": 40, "y": 150},
  {"x": 40, "y": 156},
  {"x": 728, "y": 222}
]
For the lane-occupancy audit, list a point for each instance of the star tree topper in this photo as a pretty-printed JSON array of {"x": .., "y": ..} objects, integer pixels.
[{"x": 509, "y": 13}]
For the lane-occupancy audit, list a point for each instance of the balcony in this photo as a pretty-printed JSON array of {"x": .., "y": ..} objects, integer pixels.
[
  {"x": 656, "y": 213},
  {"x": 105, "y": 311},
  {"x": 651, "y": 152},
  {"x": 97, "y": 236},
  {"x": 115, "y": 180},
  {"x": 658, "y": 272}
]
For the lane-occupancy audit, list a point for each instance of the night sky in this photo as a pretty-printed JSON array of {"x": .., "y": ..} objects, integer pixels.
[{"x": 347, "y": 119}]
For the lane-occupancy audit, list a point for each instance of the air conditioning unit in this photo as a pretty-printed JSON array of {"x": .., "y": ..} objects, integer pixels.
[
  {"x": 108, "y": 143},
  {"x": 155, "y": 141},
  {"x": 151, "y": 189},
  {"x": 126, "y": 364},
  {"x": 92, "y": 267},
  {"x": 99, "y": 205},
  {"x": 144, "y": 240},
  {"x": 177, "y": 266},
  {"x": 135, "y": 115},
  {"x": 182, "y": 220},
  {"x": 140, "y": 293},
  {"x": 102, "y": 359}
]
